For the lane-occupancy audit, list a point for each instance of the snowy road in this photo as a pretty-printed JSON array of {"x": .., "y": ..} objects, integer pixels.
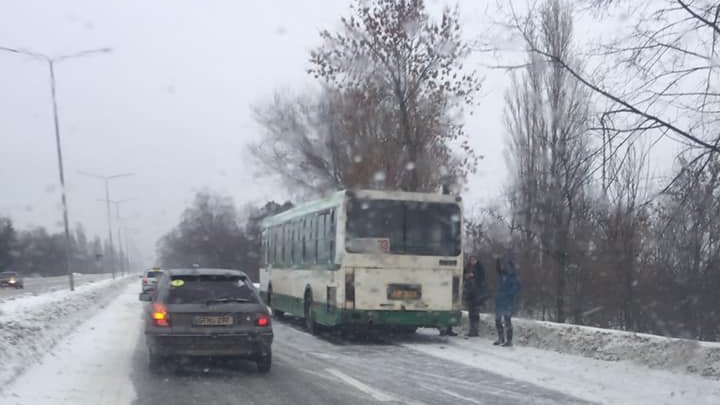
[
  {"x": 103, "y": 361},
  {"x": 310, "y": 370},
  {"x": 38, "y": 285}
]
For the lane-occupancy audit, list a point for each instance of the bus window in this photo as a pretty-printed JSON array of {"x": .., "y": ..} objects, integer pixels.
[
  {"x": 331, "y": 236},
  {"x": 304, "y": 237},
  {"x": 416, "y": 228},
  {"x": 316, "y": 234}
]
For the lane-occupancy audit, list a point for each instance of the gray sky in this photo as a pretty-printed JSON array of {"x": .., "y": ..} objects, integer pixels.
[{"x": 171, "y": 104}]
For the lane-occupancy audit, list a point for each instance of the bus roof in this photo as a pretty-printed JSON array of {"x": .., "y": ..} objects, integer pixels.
[
  {"x": 336, "y": 198},
  {"x": 317, "y": 205}
]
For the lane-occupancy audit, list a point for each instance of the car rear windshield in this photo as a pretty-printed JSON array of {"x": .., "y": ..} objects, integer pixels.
[
  {"x": 200, "y": 289},
  {"x": 154, "y": 274}
]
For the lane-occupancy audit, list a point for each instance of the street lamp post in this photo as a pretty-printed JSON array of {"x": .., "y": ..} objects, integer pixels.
[
  {"x": 122, "y": 251},
  {"x": 51, "y": 67},
  {"x": 107, "y": 179}
]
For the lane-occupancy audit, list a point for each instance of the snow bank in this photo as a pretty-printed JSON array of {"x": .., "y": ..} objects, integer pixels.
[
  {"x": 31, "y": 325},
  {"x": 91, "y": 365},
  {"x": 679, "y": 355},
  {"x": 597, "y": 381}
]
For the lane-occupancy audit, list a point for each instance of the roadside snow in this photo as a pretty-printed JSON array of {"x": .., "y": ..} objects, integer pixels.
[
  {"x": 679, "y": 355},
  {"x": 605, "y": 382},
  {"x": 91, "y": 365},
  {"x": 30, "y": 326}
]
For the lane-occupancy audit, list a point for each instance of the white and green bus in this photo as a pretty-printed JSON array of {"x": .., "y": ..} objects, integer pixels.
[{"x": 365, "y": 259}]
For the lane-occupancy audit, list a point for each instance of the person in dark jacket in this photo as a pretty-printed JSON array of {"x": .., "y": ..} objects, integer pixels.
[
  {"x": 474, "y": 295},
  {"x": 474, "y": 292},
  {"x": 508, "y": 286}
]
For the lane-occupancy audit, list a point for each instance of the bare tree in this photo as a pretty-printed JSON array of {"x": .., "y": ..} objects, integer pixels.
[
  {"x": 661, "y": 77},
  {"x": 414, "y": 66},
  {"x": 342, "y": 139},
  {"x": 547, "y": 117}
]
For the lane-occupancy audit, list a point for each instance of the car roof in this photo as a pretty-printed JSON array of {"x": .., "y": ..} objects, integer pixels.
[{"x": 205, "y": 272}]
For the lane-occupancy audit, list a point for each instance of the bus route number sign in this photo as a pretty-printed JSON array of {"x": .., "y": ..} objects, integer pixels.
[{"x": 384, "y": 245}]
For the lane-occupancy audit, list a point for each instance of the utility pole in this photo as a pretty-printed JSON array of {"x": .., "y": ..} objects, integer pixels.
[
  {"x": 51, "y": 62},
  {"x": 106, "y": 180}
]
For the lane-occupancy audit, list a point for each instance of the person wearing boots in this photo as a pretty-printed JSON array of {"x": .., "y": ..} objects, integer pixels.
[
  {"x": 508, "y": 286},
  {"x": 474, "y": 293}
]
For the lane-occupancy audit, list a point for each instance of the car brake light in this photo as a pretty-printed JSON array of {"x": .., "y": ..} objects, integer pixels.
[
  {"x": 145, "y": 280},
  {"x": 263, "y": 320},
  {"x": 160, "y": 315}
]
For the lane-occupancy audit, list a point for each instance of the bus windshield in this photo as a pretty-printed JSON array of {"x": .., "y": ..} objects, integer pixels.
[{"x": 403, "y": 227}]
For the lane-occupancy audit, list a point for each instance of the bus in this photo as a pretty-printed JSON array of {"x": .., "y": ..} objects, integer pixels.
[{"x": 366, "y": 259}]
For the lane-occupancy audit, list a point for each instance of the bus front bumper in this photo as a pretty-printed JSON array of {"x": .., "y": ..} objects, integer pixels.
[{"x": 432, "y": 319}]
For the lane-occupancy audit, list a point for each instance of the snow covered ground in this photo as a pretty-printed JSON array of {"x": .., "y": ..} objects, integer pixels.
[
  {"x": 605, "y": 382},
  {"x": 30, "y": 326},
  {"x": 598, "y": 365},
  {"x": 679, "y": 355},
  {"x": 91, "y": 365}
]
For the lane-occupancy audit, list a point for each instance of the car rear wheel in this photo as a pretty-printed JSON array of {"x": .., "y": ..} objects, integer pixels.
[
  {"x": 155, "y": 362},
  {"x": 264, "y": 363}
]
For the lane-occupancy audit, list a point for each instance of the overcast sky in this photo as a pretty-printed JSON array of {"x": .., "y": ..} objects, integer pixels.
[{"x": 171, "y": 104}]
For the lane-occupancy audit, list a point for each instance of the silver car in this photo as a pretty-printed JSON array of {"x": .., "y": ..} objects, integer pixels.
[
  {"x": 149, "y": 279},
  {"x": 207, "y": 313}
]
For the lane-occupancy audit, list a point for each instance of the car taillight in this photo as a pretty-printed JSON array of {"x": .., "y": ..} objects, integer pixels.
[
  {"x": 160, "y": 315},
  {"x": 145, "y": 280},
  {"x": 263, "y": 320}
]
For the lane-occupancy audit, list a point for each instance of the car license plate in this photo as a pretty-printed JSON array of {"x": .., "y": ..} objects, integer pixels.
[
  {"x": 223, "y": 320},
  {"x": 404, "y": 292}
]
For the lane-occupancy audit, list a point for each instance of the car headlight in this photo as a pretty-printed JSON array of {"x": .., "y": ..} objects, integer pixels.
[{"x": 12, "y": 281}]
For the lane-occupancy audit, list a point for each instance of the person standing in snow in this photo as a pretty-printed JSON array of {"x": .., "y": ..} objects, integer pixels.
[
  {"x": 474, "y": 295},
  {"x": 508, "y": 286},
  {"x": 474, "y": 292}
]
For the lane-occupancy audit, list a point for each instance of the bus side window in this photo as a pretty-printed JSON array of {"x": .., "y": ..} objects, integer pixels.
[
  {"x": 273, "y": 234},
  {"x": 316, "y": 234},
  {"x": 263, "y": 250},
  {"x": 331, "y": 236},
  {"x": 303, "y": 236},
  {"x": 293, "y": 236},
  {"x": 284, "y": 250}
]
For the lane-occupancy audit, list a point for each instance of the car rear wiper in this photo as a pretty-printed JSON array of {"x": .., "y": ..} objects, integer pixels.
[{"x": 226, "y": 299}]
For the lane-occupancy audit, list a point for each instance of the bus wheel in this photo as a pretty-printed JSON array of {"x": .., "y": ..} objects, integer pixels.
[{"x": 309, "y": 317}]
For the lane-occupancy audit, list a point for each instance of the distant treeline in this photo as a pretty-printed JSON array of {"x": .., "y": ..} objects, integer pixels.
[
  {"x": 212, "y": 233},
  {"x": 36, "y": 252}
]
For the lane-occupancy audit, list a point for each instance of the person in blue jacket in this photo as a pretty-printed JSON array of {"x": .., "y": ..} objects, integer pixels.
[{"x": 508, "y": 286}]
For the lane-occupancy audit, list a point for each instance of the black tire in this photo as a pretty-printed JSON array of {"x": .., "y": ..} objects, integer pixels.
[
  {"x": 264, "y": 363},
  {"x": 310, "y": 324},
  {"x": 155, "y": 362}
]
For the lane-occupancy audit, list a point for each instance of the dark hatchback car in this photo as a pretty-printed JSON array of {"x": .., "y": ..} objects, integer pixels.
[{"x": 206, "y": 313}]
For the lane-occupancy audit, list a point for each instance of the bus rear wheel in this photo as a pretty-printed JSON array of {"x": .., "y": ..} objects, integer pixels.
[{"x": 310, "y": 324}]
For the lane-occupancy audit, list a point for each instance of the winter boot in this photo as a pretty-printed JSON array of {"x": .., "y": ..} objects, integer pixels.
[
  {"x": 501, "y": 339},
  {"x": 508, "y": 343},
  {"x": 500, "y": 332}
]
